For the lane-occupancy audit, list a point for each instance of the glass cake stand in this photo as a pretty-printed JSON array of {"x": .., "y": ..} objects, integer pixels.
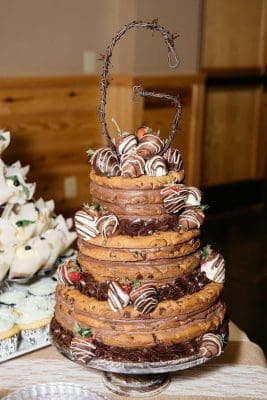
[{"x": 136, "y": 379}]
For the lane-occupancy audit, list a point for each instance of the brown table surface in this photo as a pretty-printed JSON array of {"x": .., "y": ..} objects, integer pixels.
[{"x": 240, "y": 373}]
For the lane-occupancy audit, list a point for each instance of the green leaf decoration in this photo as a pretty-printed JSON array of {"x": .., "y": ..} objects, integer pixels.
[
  {"x": 2, "y": 137},
  {"x": 205, "y": 252},
  {"x": 73, "y": 266},
  {"x": 24, "y": 223},
  {"x": 171, "y": 182},
  {"x": 204, "y": 207},
  {"x": 2, "y": 251},
  {"x": 83, "y": 332},
  {"x": 95, "y": 206},
  {"x": 86, "y": 206},
  {"x": 12, "y": 178},
  {"x": 136, "y": 283},
  {"x": 26, "y": 191},
  {"x": 90, "y": 152},
  {"x": 223, "y": 338}
]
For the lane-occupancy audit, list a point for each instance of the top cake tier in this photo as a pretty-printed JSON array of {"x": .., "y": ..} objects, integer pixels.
[
  {"x": 137, "y": 189},
  {"x": 147, "y": 204},
  {"x": 137, "y": 203}
]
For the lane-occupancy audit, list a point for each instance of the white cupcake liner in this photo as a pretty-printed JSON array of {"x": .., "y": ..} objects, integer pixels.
[
  {"x": 8, "y": 345},
  {"x": 37, "y": 335},
  {"x": 55, "y": 391}
]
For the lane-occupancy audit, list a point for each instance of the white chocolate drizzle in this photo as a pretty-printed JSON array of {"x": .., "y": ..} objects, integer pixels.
[
  {"x": 107, "y": 225},
  {"x": 117, "y": 298},
  {"x": 174, "y": 198},
  {"x": 211, "y": 346},
  {"x": 132, "y": 165},
  {"x": 127, "y": 144},
  {"x": 86, "y": 225},
  {"x": 214, "y": 268},
  {"x": 174, "y": 159},
  {"x": 144, "y": 298},
  {"x": 156, "y": 166},
  {"x": 194, "y": 196},
  {"x": 82, "y": 350}
]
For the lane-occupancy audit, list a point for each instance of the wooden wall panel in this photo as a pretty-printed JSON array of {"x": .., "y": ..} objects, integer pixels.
[
  {"x": 233, "y": 33},
  {"x": 53, "y": 122},
  {"x": 122, "y": 107},
  {"x": 232, "y": 135},
  {"x": 160, "y": 118},
  {"x": 158, "y": 114},
  {"x": 262, "y": 142}
]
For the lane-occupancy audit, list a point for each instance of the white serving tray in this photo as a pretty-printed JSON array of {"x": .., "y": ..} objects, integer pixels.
[{"x": 24, "y": 346}]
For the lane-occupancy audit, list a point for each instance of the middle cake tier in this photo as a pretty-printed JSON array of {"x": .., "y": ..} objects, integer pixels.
[
  {"x": 160, "y": 256},
  {"x": 171, "y": 322}
]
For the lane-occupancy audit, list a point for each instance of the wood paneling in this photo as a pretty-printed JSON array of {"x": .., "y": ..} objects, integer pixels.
[
  {"x": 53, "y": 122},
  {"x": 233, "y": 135},
  {"x": 262, "y": 142},
  {"x": 158, "y": 114},
  {"x": 234, "y": 33}
]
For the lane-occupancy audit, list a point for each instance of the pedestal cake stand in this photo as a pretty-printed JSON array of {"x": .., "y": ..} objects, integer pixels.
[{"x": 136, "y": 379}]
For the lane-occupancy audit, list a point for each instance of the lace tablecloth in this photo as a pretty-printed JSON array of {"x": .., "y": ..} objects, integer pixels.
[{"x": 240, "y": 373}]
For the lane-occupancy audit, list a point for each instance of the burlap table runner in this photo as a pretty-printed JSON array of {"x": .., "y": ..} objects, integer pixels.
[{"x": 239, "y": 374}]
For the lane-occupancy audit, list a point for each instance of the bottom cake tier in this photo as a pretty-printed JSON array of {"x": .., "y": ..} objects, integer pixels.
[
  {"x": 208, "y": 345},
  {"x": 86, "y": 328}
]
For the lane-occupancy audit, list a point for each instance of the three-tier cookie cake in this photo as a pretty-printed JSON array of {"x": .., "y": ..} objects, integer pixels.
[{"x": 142, "y": 288}]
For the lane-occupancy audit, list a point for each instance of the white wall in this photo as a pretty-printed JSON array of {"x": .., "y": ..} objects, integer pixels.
[{"x": 48, "y": 37}]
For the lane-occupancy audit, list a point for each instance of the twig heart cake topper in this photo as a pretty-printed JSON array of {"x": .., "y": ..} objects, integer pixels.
[{"x": 172, "y": 61}]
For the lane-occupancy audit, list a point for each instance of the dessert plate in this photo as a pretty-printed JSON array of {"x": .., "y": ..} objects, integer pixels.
[{"x": 55, "y": 391}]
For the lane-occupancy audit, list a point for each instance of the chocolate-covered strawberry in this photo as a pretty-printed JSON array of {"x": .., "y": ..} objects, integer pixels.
[
  {"x": 126, "y": 143},
  {"x": 174, "y": 197},
  {"x": 211, "y": 346},
  {"x": 82, "y": 347},
  {"x": 213, "y": 264},
  {"x": 117, "y": 297},
  {"x": 191, "y": 218},
  {"x": 149, "y": 145},
  {"x": 82, "y": 350},
  {"x": 132, "y": 165},
  {"x": 193, "y": 197},
  {"x": 174, "y": 159},
  {"x": 86, "y": 224},
  {"x": 107, "y": 225},
  {"x": 68, "y": 273},
  {"x": 127, "y": 285},
  {"x": 141, "y": 131},
  {"x": 105, "y": 162},
  {"x": 144, "y": 298},
  {"x": 156, "y": 166}
]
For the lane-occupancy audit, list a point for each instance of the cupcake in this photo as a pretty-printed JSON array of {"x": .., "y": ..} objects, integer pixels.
[
  {"x": 9, "y": 332},
  {"x": 44, "y": 288},
  {"x": 34, "y": 316},
  {"x": 12, "y": 297}
]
